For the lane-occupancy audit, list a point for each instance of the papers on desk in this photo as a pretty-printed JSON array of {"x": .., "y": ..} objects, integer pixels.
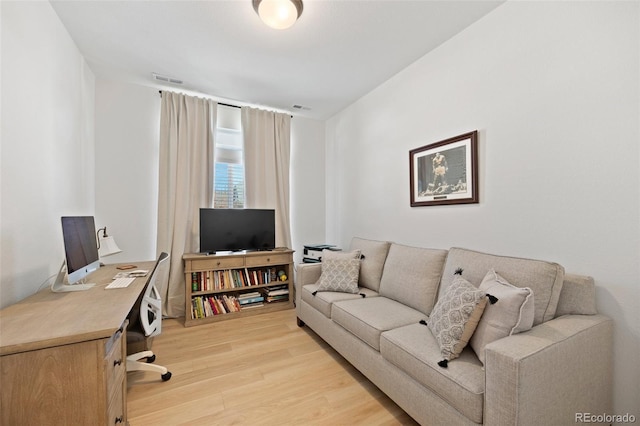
[{"x": 131, "y": 274}]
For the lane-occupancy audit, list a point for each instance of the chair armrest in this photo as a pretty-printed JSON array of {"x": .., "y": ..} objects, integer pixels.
[
  {"x": 306, "y": 273},
  {"x": 551, "y": 373}
]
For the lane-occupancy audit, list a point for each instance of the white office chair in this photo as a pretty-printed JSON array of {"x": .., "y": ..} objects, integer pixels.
[{"x": 145, "y": 322}]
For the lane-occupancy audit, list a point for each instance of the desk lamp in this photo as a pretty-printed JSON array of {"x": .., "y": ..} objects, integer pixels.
[{"x": 106, "y": 244}]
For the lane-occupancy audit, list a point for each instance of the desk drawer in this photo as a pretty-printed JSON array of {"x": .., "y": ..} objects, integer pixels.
[
  {"x": 268, "y": 260},
  {"x": 117, "y": 411},
  {"x": 115, "y": 362}
]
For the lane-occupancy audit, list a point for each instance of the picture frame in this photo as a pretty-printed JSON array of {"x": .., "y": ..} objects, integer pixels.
[{"x": 445, "y": 172}]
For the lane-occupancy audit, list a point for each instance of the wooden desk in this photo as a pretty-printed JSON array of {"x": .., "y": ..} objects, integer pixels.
[{"x": 63, "y": 355}]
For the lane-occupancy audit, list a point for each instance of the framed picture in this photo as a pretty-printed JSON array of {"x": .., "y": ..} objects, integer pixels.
[{"x": 445, "y": 172}]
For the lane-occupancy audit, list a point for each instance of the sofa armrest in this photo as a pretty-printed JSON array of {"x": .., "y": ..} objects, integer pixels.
[
  {"x": 551, "y": 373},
  {"x": 306, "y": 273}
]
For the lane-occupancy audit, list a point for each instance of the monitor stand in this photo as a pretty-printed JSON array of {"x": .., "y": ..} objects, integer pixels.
[{"x": 59, "y": 285}]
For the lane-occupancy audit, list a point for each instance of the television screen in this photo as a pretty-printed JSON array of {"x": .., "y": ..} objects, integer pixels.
[{"x": 237, "y": 229}]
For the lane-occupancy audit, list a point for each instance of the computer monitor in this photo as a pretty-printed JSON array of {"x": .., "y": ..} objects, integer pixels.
[{"x": 81, "y": 252}]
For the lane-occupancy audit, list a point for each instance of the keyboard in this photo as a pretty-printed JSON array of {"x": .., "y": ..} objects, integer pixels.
[{"x": 120, "y": 283}]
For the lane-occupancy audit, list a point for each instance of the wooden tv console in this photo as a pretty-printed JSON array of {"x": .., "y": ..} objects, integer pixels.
[{"x": 211, "y": 278}]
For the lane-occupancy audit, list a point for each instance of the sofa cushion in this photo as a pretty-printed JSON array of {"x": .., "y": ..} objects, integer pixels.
[
  {"x": 322, "y": 301},
  {"x": 512, "y": 313},
  {"x": 455, "y": 317},
  {"x": 543, "y": 278},
  {"x": 578, "y": 296},
  {"x": 367, "y": 317},
  {"x": 416, "y": 352},
  {"x": 340, "y": 271},
  {"x": 374, "y": 253},
  {"x": 411, "y": 276}
]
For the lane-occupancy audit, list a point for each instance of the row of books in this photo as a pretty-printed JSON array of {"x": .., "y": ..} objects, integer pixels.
[
  {"x": 207, "y": 306},
  {"x": 203, "y": 307},
  {"x": 231, "y": 278}
]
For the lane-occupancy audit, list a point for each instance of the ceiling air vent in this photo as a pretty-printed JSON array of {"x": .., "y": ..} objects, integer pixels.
[
  {"x": 165, "y": 79},
  {"x": 304, "y": 108}
]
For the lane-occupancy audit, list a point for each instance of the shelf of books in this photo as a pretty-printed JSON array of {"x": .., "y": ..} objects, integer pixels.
[{"x": 226, "y": 286}]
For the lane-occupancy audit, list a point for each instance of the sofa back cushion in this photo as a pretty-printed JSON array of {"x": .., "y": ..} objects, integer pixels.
[
  {"x": 374, "y": 253},
  {"x": 578, "y": 296},
  {"x": 411, "y": 276},
  {"x": 543, "y": 278}
]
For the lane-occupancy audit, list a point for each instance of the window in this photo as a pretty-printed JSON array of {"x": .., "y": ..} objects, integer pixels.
[
  {"x": 229, "y": 190},
  {"x": 229, "y": 165}
]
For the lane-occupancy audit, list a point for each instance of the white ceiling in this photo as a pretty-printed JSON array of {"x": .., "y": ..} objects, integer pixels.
[{"x": 337, "y": 51}]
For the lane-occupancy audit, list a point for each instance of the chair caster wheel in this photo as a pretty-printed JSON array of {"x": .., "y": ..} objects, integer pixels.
[
  {"x": 166, "y": 376},
  {"x": 151, "y": 359}
]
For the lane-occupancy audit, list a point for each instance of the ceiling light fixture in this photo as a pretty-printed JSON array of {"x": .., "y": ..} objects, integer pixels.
[{"x": 278, "y": 14}]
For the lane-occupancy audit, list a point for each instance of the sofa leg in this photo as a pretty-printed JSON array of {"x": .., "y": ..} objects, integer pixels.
[{"x": 300, "y": 322}]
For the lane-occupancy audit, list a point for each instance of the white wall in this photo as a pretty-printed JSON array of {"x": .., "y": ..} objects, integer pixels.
[
  {"x": 47, "y": 96},
  {"x": 307, "y": 184},
  {"x": 552, "y": 88},
  {"x": 127, "y": 137}
]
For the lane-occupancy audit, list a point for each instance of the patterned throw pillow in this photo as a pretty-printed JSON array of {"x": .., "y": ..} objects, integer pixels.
[
  {"x": 455, "y": 317},
  {"x": 340, "y": 271}
]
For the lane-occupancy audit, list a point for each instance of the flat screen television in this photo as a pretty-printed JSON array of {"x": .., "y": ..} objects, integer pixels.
[
  {"x": 81, "y": 252},
  {"x": 236, "y": 230}
]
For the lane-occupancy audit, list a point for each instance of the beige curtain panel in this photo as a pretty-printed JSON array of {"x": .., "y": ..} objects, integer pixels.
[
  {"x": 267, "y": 140},
  {"x": 186, "y": 173}
]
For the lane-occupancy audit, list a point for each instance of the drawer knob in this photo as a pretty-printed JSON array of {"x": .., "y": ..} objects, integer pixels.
[
  {"x": 117, "y": 362},
  {"x": 119, "y": 419}
]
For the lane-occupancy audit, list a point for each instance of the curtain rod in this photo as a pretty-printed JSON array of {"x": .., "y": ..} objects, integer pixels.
[{"x": 221, "y": 103}]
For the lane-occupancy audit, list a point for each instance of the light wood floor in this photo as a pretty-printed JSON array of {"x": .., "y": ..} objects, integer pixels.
[{"x": 258, "y": 370}]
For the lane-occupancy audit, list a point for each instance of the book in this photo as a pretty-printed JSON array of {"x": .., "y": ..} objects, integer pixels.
[
  {"x": 247, "y": 301},
  {"x": 277, "y": 287},
  {"x": 252, "y": 305},
  {"x": 212, "y": 304},
  {"x": 221, "y": 306},
  {"x": 272, "y": 299}
]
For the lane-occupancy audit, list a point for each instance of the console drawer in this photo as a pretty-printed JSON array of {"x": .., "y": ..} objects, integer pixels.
[
  {"x": 268, "y": 259},
  {"x": 220, "y": 263}
]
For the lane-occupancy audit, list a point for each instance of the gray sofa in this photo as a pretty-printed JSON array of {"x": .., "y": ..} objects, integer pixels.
[{"x": 549, "y": 374}]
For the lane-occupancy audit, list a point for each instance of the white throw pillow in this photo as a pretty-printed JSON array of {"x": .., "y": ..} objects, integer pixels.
[{"x": 512, "y": 313}]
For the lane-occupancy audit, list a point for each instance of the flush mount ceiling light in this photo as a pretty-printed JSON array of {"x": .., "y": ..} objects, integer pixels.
[{"x": 278, "y": 14}]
